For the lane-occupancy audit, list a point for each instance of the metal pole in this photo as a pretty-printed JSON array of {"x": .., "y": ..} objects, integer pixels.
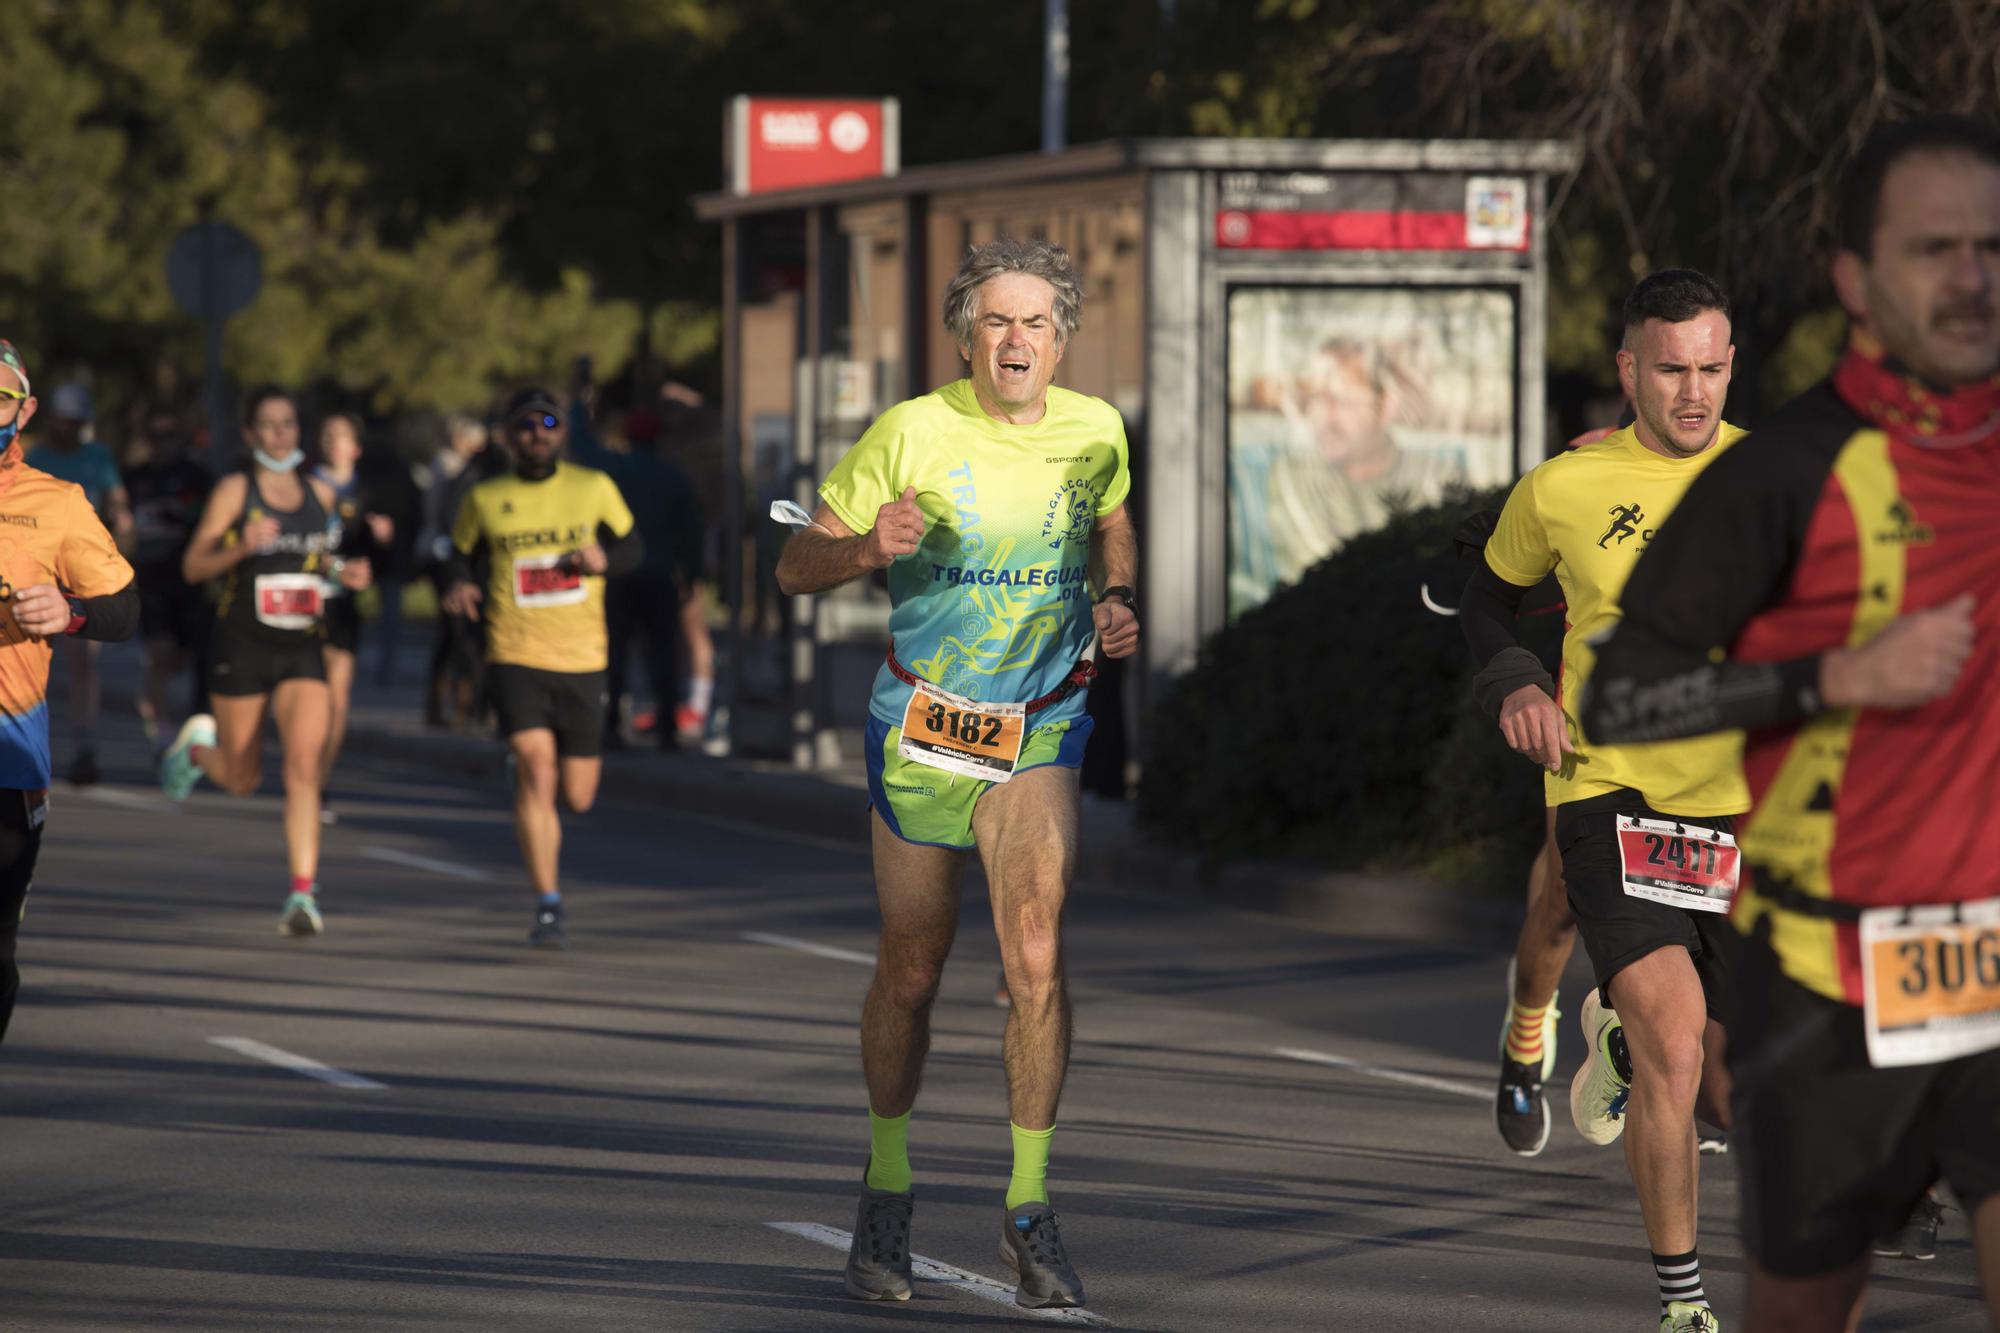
[
  {"x": 221, "y": 440},
  {"x": 1055, "y": 75}
]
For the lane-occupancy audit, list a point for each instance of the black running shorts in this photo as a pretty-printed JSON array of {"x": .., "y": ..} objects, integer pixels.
[
  {"x": 240, "y": 666},
  {"x": 568, "y": 703},
  {"x": 1830, "y": 1151},
  {"x": 21, "y": 815},
  {"x": 1618, "y": 929}
]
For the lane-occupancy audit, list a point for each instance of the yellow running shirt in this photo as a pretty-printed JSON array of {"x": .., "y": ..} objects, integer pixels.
[
  {"x": 1587, "y": 515},
  {"x": 538, "y": 613}
]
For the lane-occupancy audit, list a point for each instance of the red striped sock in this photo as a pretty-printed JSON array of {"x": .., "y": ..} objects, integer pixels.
[{"x": 1524, "y": 1032}]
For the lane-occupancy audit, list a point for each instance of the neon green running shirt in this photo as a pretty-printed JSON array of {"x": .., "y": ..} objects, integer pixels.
[{"x": 995, "y": 603}]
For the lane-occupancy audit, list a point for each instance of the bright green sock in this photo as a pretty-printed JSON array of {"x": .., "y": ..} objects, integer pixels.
[
  {"x": 1030, "y": 1181},
  {"x": 889, "y": 1152}
]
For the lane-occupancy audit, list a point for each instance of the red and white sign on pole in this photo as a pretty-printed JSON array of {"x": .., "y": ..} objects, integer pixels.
[{"x": 787, "y": 143}]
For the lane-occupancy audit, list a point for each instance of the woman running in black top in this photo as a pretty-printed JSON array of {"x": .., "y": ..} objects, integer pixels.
[{"x": 268, "y": 534}]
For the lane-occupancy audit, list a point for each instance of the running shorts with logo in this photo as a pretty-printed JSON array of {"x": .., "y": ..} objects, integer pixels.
[
  {"x": 1618, "y": 927},
  {"x": 927, "y": 805},
  {"x": 1865, "y": 1035},
  {"x": 1831, "y": 1151},
  {"x": 568, "y": 703},
  {"x": 994, "y": 607}
]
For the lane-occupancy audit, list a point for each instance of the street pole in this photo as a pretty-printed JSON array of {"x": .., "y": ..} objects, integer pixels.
[
  {"x": 1055, "y": 75},
  {"x": 221, "y": 439}
]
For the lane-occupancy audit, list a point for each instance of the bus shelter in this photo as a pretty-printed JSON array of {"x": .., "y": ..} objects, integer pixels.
[{"x": 1301, "y": 335}]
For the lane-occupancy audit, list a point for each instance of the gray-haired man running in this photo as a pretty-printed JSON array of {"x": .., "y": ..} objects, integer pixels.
[{"x": 995, "y": 504}]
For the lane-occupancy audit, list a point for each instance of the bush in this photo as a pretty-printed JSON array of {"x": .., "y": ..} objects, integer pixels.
[{"x": 1334, "y": 724}]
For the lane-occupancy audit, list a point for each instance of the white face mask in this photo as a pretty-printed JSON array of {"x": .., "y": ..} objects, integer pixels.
[{"x": 285, "y": 464}]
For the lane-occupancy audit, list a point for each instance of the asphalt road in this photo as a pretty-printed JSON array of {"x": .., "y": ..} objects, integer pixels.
[{"x": 1265, "y": 1127}]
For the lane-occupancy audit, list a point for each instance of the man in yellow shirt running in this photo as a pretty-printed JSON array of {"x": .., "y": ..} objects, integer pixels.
[
  {"x": 1645, "y": 833},
  {"x": 552, "y": 531}
]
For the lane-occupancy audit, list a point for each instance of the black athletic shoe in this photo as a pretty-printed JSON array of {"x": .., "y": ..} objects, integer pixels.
[
  {"x": 548, "y": 932},
  {"x": 83, "y": 771},
  {"x": 878, "y": 1259},
  {"x": 1916, "y": 1238},
  {"x": 1520, "y": 1109},
  {"x": 1032, "y": 1246}
]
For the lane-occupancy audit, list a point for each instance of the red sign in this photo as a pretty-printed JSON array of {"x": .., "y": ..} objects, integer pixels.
[{"x": 786, "y": 143}]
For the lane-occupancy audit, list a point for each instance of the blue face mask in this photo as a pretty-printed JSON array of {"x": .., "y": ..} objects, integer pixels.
[
  {"x": 285, "y": 464},
  {"x": 8, "y": 433}
]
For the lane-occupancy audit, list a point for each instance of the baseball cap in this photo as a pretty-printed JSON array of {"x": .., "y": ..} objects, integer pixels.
[
  {"x": 533, "y": 400},
  {"x": 12, "y": 360},
  {"x": 71, "y": 401}
]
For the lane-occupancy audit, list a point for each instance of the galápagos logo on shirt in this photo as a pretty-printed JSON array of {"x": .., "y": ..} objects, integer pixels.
[{"x": 1071, "y": 513}]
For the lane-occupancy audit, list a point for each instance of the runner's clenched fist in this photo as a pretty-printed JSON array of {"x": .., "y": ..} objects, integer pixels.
[{"x": 899, "y": 528}]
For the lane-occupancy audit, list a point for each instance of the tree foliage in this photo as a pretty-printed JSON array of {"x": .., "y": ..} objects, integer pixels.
[{"x": 453, "y": 194}]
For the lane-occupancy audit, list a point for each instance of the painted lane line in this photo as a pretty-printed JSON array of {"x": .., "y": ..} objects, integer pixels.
[
  {"x": 131, "y": 800},
  {"x": 257, "y": 1050},
  {"x": 949, "y": 1275},
  {"x": 415, "y": 862},
  {"x": 807, "y": 946},
  {"x": 1377, "y": 1071}
]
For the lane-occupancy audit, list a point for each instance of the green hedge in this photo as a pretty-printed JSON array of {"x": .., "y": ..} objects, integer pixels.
[{"x": 1334, "y": 724}]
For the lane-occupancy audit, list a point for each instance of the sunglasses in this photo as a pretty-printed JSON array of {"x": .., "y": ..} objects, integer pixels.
[
  {"x": 13, "y": 395},
  {"x": 546, "y": 420}
]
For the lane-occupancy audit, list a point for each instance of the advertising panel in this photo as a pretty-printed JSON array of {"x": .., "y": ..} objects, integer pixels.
[{"x": 1349, "y": 404}]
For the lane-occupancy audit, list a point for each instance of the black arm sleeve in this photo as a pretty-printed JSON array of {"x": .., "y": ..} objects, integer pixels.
[
  {"x": 621, "y": 554},
  {"x": 1727, "y": 552},
  {"x": 1486, "y": 611},
  {"x": 109, "y": 619}
]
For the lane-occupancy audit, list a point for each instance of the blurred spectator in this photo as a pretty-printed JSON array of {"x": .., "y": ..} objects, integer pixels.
[
  {"x": 391, "y": 488},
  {"x": 684, "y": 406},
  {"x": 66, "y": 450},
  {"x": 459, "y": 652},
  {"x": 167, "y": 488},
  {"x": 643, "y": 608},
  {"x": 338, "y": 458}
]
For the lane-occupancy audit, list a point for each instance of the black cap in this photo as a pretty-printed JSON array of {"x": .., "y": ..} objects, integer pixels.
[{"x": 533, "y": 400}]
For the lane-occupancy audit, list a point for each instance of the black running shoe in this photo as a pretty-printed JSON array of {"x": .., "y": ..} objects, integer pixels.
[
  {"x": 878, "y": 1260},
  {"x": 1520, "y": 1109},
  {"x": 1032, "y": 1246},
  {"x": 1916, "y": 1238},
  {"x": 548, "y": 932}
]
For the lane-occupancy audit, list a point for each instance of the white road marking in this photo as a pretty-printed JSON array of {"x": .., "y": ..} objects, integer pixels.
[
  {"x": 299, "y": 1064},
  {"x": 1376, "y": 1071},
  {"x": 131, "y": 800},
  {"x": 950, "y": 1275},
  {"x": 411, "y": 859},
  {"x": 807, "y": 946}
]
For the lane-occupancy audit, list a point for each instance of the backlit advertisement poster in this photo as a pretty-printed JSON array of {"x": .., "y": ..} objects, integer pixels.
[{"x": 1349, "y": 404}]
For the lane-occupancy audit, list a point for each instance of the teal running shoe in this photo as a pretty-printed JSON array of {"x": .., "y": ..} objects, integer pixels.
[{"x": 179, "y": 774}]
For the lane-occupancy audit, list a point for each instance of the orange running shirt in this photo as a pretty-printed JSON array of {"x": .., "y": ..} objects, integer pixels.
[{"x": 48, "y": 534}]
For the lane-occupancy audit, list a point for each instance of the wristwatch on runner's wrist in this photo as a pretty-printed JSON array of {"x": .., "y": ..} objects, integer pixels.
[{"x": 1130, "y": 598}]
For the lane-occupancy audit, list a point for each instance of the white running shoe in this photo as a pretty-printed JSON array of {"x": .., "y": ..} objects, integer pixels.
[
  {"x": 1548, "y": 1025},
  {"x": 1597, "y": 1094}
]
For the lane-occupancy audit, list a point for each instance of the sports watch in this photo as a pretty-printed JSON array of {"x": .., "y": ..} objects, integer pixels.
[{"x": 1130, "y": 598}]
